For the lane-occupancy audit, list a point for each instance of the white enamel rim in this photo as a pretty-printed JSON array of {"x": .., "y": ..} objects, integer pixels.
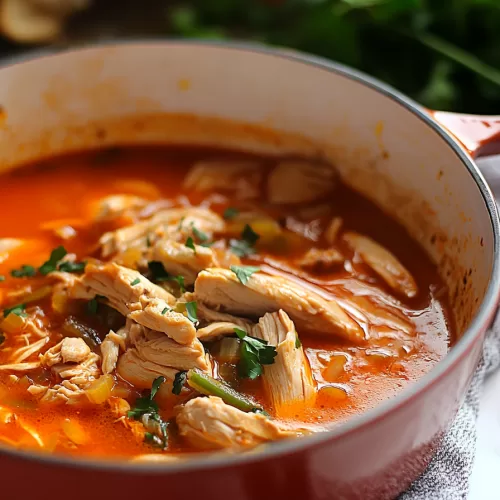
[{"x": 461, "y": 349}]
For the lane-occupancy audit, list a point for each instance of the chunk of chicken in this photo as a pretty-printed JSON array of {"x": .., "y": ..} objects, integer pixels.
[
  {"x": 333, "y": 230},
  {"x": 139, "y": 372},
  {"x": 384, "y": 263},
  {"x": 220, "y": 288},
  {"x": 297, "y": 181},
  {"x": 289, "y": 379},
  {"x": 321, "y": 260},
  {"x": 110, "y": 348},
  {"x": 69, "y": 350},
  {"x": 243, "y": 178},
  {"x": 75, "y": 377},
  {"x": 118, "y": 204},
  {"x": 176, "y": 223},
  {"x": 209, "y": 423},
  {"x": 178, "y": 259},
  {"x": 135, "y": 296}
]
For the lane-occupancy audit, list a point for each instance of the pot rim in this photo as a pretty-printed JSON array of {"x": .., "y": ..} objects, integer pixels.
[{"x": 461, "y": 349}]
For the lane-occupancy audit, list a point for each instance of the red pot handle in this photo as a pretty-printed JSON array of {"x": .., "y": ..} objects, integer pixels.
[{"x": 480, "y": 135}]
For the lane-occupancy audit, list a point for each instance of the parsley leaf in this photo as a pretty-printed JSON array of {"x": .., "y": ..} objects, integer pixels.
[
  {"x": 245, "y": 246},
  {"x": 135, "y": 282},
  {"x": 72, "y": 267},
  {"x": 200, "y": 235},
  {"x": 190, "y": 244},
  {"x": 157, "y": 269},
  {"x": 298, "y": 343},
  {"x": 18, "y": 310},
  {"x": 230, "y": 213},
  {"x": 249, "y": 235},
  {"x": 50, "y": 265},
  {"x": 93, "y": 305},
  {"x": 179, "y": 381},
  {"x": 254, "y": 353},
  {"x": 192, "y": 312},
  {"x": 24, "y": 272},
  {"x": 146, "y": 404},
  {"x": 165, "y": 311},
  {"x": 243, "y": 273}
]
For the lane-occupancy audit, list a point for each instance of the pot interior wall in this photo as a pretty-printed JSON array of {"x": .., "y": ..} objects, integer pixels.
[{"x": 173, "y": 92}]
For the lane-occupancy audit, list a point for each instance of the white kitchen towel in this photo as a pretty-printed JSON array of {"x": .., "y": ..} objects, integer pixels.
[{"x": 447, "y": 477}]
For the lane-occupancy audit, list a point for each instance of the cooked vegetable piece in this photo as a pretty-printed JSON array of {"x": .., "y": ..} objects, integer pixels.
[{"x": 201, "y": 382}]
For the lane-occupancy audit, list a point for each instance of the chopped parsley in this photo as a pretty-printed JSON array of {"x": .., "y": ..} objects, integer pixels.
[
  {"x": 179, "y": 227},
  {"x": 298, "y": 343},
  {"x": 50, "y": 265},
  {"x": 146, "y": 411},
  {"x": 159, "y": 274},
  {"x": 254, "y": 353},
  {"x": 179, "y": 381},
  {"x": 72, "y": 267},
  {"x": 245, "y": 246},
  {"x": 192, "y": 312},
  {"x": 243, "y": 273},
  {"x": 199, "y": 235},
  {"x": 190, "y": 244},
  {"x": 135, "y": 282},
  {"x": 25, "y": 271},
  {"x": 230, "y": 213},
  {"x": 18, "y": 310}
]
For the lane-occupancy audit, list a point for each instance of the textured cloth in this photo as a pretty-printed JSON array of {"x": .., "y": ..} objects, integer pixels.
[{"x": 447, "y": 477}]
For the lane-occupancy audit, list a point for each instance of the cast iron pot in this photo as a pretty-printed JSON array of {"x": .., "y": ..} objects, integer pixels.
[{"x": 276, "y": 102}]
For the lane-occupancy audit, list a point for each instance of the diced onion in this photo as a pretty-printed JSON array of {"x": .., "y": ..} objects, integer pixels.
[
  {"x": 99, "y": 390},
  {"x": 74, "y": 431}
]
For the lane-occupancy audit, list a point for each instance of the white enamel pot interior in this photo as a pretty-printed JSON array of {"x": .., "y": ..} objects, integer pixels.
[{"x": 252, "y": 98}]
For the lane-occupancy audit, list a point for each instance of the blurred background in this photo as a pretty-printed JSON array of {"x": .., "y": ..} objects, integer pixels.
[{"x": 443, "y": 53}]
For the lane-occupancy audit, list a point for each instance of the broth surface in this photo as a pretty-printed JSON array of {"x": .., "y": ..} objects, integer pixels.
[{"x": 63, "y": 192}]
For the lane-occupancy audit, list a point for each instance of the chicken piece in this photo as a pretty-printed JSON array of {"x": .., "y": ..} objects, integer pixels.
[
  {"x": 178, "y": 259},
  {"x": 289, "y": 379},
  {"x": 297, "y": 181},
  {"x": 139, "y": 372},
  {"x": 23, "y": 353},
  {"x": 75, "y": 379},
  {"x": 158, "y": 348},
  {"x": 321, "y": 260},
  {"x": 243, "y": 178},
  {"x": 135, "y": 296},
  {"x": 118, "y": 406},
  {"x": 113, "y": 206},
  {"x": 110, "y": 349},
  {"x": 217, "y": 330},
  {"x": 211, "y": 424},
  {"x": 384, "y": 263},
  {"x": 69, "y": 350},
  {"x": 176, "y": 223},
  {"x": 220, "y": 288},
  {"x": 19, "y": 367}
]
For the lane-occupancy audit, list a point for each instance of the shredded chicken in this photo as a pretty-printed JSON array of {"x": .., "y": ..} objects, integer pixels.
[
  {"x": 118, "y": 204},
  {"x": 300, "y": 182},
  {"x": 243, "y": 178},
  {"x": 289, "y": 379},
  {"x": 178, "y": 259},
  {"x": 384, "y": 263},
  {"x": 209, "y": 423},
  {"x": 72, "y": 361},
  {"x": 321, "y": 260},
  {"x": 174, "y": 223},
  {"x": 220, "y": 288},
  {"x": 110, "y": 349}
]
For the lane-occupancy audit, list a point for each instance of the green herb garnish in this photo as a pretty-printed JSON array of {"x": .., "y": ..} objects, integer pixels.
[
  {"x": 243, "y": 273},
  {"x": 199, "y": 235},
  {"x": 159, "y": 274},
  {"x": 18, "y": 310},
  {"x": 298, "y": 343},
  {"x": 50, "y": 265},
  {"x": 25, "y": 271},
  {"x": 254, "y": 353},
  {"x": 72, "y": 267},
  {"x": 249, "y": 235},
  {"x": 230, "y": 213},
  {"x": 165, "y": 311},
  {"x": 245, "y": 246},
  {"x": 179, "y": 381},
  {"x": 190, "y": 244},
  {"x": 135, "y": 282},
  {"x": 192, "y": 312}
]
